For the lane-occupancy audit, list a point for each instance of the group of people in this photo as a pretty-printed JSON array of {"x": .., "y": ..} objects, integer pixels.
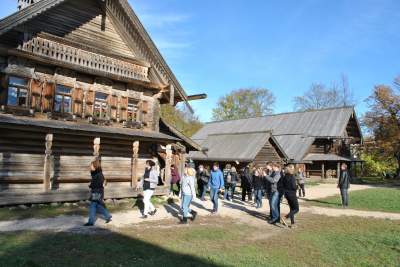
[{"x": 272, "y": 182}]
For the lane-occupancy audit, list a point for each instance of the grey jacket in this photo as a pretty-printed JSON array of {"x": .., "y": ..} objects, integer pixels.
[
  {"x": 187, "y": 186},
  {"x": 344, "y": 180},
  {"x": 273, "y": 179},
  {"x": 153, "y": 179},
  {"x": 302, "y": 178}
]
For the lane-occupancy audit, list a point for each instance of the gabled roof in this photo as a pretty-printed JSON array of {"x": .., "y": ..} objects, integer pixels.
[
  {"x": 330, "y": 157},
  {"x": 295, "y": 146},
  {"x": 321, "y": 123},
  {"x": 167, "y": 128},
  {"x": 239, "y": 146},
  {"x": 149, "y": 51}
]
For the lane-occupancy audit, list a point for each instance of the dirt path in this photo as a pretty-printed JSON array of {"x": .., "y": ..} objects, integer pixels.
[{"x": 245, "y": 211}]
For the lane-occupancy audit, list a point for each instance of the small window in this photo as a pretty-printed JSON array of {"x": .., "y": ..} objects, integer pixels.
[
  {"x": 100, "y": 106},
  {"x": 17, "y": 92},
  {"x": 62, "y": 99},
  {"x": 133, "y": 106}
]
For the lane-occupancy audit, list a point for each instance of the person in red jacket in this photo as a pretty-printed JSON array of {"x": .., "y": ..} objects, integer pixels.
[{"x": 175, "y": 179}]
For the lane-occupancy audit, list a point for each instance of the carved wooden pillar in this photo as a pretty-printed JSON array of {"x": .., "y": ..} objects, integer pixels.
[
  {"x": 183, "y": 158},
  {"x": 338, "y": 170},
  {"x": 96, "y": 149},
  {"x": 135, "y": 167},
  {"x": 323, "y": 170},
  {"x": 47, "y": 163},
  {"x": 168, "y": 160}
]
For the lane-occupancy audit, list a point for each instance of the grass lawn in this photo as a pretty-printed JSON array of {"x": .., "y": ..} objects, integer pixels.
[
  {"x": 313, "y": 183},
  {"x": 379, "y": 199},
  {"x": 211, "y": 241},
  {"x": 378, "y": 180}
]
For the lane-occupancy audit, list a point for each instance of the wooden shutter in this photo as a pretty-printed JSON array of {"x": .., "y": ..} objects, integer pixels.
[
  {"x": 3, "y": 88},
  {"x": 123, "y": 106},
  {"x": 113, "y": 107},
  {"x": 145, "y": 106},
  {"x": 48, "y": 97},
  {"x": 36, "y": 93},
  {"x": 114, "y": 101},
  {"x": 77, "y": 103},
  {"x": 89, "y": 104}
]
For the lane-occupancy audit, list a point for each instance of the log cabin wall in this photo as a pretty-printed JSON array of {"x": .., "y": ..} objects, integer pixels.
[{"x": 267, "y": 153}]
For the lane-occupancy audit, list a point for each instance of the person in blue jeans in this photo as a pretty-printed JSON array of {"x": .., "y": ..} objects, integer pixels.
[
  {"x": 215, "y": 185},
  {"x": 187, "y": 193},
  {"x": 232, "y": 184},
  {"x": 206, "y": 172},
  {"x": 258, "y": 185},
  {"x": 274, "y": 198},
  {"x": 97, "y": 188}
]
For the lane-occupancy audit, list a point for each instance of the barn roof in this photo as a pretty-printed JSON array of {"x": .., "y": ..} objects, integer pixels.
[
  {"x": 322, "y": 123},
  {"x": 239, "y": 146},
  {"x": 330, "y": 157},
  {"x": 295, "y": 146}
]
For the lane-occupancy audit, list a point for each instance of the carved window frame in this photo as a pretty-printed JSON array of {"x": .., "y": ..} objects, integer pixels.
[
  {"x": 105, "y": 101},
  {"x": 136, "y": 116},
  {"x": 19, "y": 87},
  {"x": 63, "y": 95}
]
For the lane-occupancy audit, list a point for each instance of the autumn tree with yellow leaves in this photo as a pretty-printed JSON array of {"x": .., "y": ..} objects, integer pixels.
[{"x": 382, "y": 121}]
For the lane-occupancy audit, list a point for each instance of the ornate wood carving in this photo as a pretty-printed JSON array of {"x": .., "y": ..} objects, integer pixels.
[
  {"x": 168, "y": 162},
  {"x": 96, "y": 149},
  {"x": 79, "y": 59},
  {"x": 47, "y": 163},
  {"x": 64, "y": 76},
  {"x": 21, "y": 67},
  {"x": 135, "y": 164}
]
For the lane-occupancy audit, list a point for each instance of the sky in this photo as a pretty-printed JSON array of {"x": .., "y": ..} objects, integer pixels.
[{"x": 215, "y": 46}]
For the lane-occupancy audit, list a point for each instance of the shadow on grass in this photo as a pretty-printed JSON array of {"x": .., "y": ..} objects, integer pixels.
[{"x": 98, "y": 247}]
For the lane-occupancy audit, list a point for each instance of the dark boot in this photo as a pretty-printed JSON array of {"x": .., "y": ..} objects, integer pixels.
[
  {"x": 184, "y": 221},
  {"x": 194, "y": 214}
]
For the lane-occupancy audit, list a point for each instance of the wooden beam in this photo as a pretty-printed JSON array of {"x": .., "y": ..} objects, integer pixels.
[
  {"x": 47, "y": 163},
  {"x": 168, "y": 162},
  {"x": 338, "y": 170},
  {"x": 323, "y": 170},
  {"x": 171, "y": 95},
  {"x": 189, "y": 98},
  {"x": 96, "y": 149}
]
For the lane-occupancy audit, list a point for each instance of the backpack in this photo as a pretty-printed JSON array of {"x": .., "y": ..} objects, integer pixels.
[{"x": 229, "y": 177}]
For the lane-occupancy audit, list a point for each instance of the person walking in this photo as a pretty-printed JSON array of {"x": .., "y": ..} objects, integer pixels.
[
  {"x": 227, "y": 173},
  {"x": 175, "y": 179},
  {"x": 215, "y": 185},
  {"x": 187, "y": 193},
  {"x": 301, "y": 181},
  {"x": 289, "y": 183},
  {"x": 344, "y": 184},
  {"x": 275, "y": 195},
  {"x": 267, "y": 185},
  {"x": 246, "y": 183},
  {"x": 97, "y": 194},
  {"x": 258, "y": 185},
  {"x": 199, "y": 175},
  {"x": 149, "y": 181},
  {"x": 232, "y": 184},
  {"x": 205, "y": 179}
]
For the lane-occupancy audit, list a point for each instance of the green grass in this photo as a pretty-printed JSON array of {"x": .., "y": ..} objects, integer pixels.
[
  {"x": 378, "y": 180},
  {"x": 48, "y": 211},
  {"x": 319, "y": 241},
  {"x": 313, "y": 183},
  {"x": 378, "y": 199}
]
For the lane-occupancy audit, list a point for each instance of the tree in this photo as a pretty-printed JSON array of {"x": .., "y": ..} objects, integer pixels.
[
  {"x": 180, "y": 117},
  {"x": 319, "y": 97},
  {"x": 383, "y": 121},
  {"x": 244, "y": 103}
]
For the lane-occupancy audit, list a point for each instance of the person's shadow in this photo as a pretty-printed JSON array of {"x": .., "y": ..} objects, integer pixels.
[{"x": 172, "y": 208}]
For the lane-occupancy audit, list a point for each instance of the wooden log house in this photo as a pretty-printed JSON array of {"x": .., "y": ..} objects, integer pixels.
[
  {"x": 81, "y": 81},
  {"x": 316, "y": 140}
]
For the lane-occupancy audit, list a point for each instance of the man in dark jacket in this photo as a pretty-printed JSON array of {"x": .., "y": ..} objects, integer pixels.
[
  {"x": 247, "y": 183},
  {"x": 344, "y": 184}
]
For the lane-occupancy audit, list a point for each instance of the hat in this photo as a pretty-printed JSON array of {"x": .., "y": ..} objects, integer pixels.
[
  {"x": 151, "y": 163},
  {"x": 191, "y": 164}
]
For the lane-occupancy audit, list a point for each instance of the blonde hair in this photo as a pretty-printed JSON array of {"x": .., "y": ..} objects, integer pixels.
[
  {"x": 233, "y": 169},
  {"x": 289, "y": 169},
  {"x": 228, "y": 166},
  {"x": 189, "y": 171}
]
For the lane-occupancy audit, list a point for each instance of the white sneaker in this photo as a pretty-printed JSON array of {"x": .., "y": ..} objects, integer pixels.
[{"x": 231, "y": 200}]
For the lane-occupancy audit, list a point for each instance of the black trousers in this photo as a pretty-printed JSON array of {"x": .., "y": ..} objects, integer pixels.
[
  {"x": 345, "y": 197},
  {"x": 293, "y": 205},
  {"x": 248, "y": 190},
  {"x": 301, "y": 188},
  {"x": 199, "y": 187}
]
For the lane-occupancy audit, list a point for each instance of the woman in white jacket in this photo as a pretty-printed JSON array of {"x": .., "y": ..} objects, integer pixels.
[
  {"x": 149, "y": 181},
  {"x": 187, "y": 193}
]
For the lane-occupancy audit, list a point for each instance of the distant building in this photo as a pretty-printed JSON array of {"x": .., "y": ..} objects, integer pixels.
[{"x": 318, "y": 140}]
